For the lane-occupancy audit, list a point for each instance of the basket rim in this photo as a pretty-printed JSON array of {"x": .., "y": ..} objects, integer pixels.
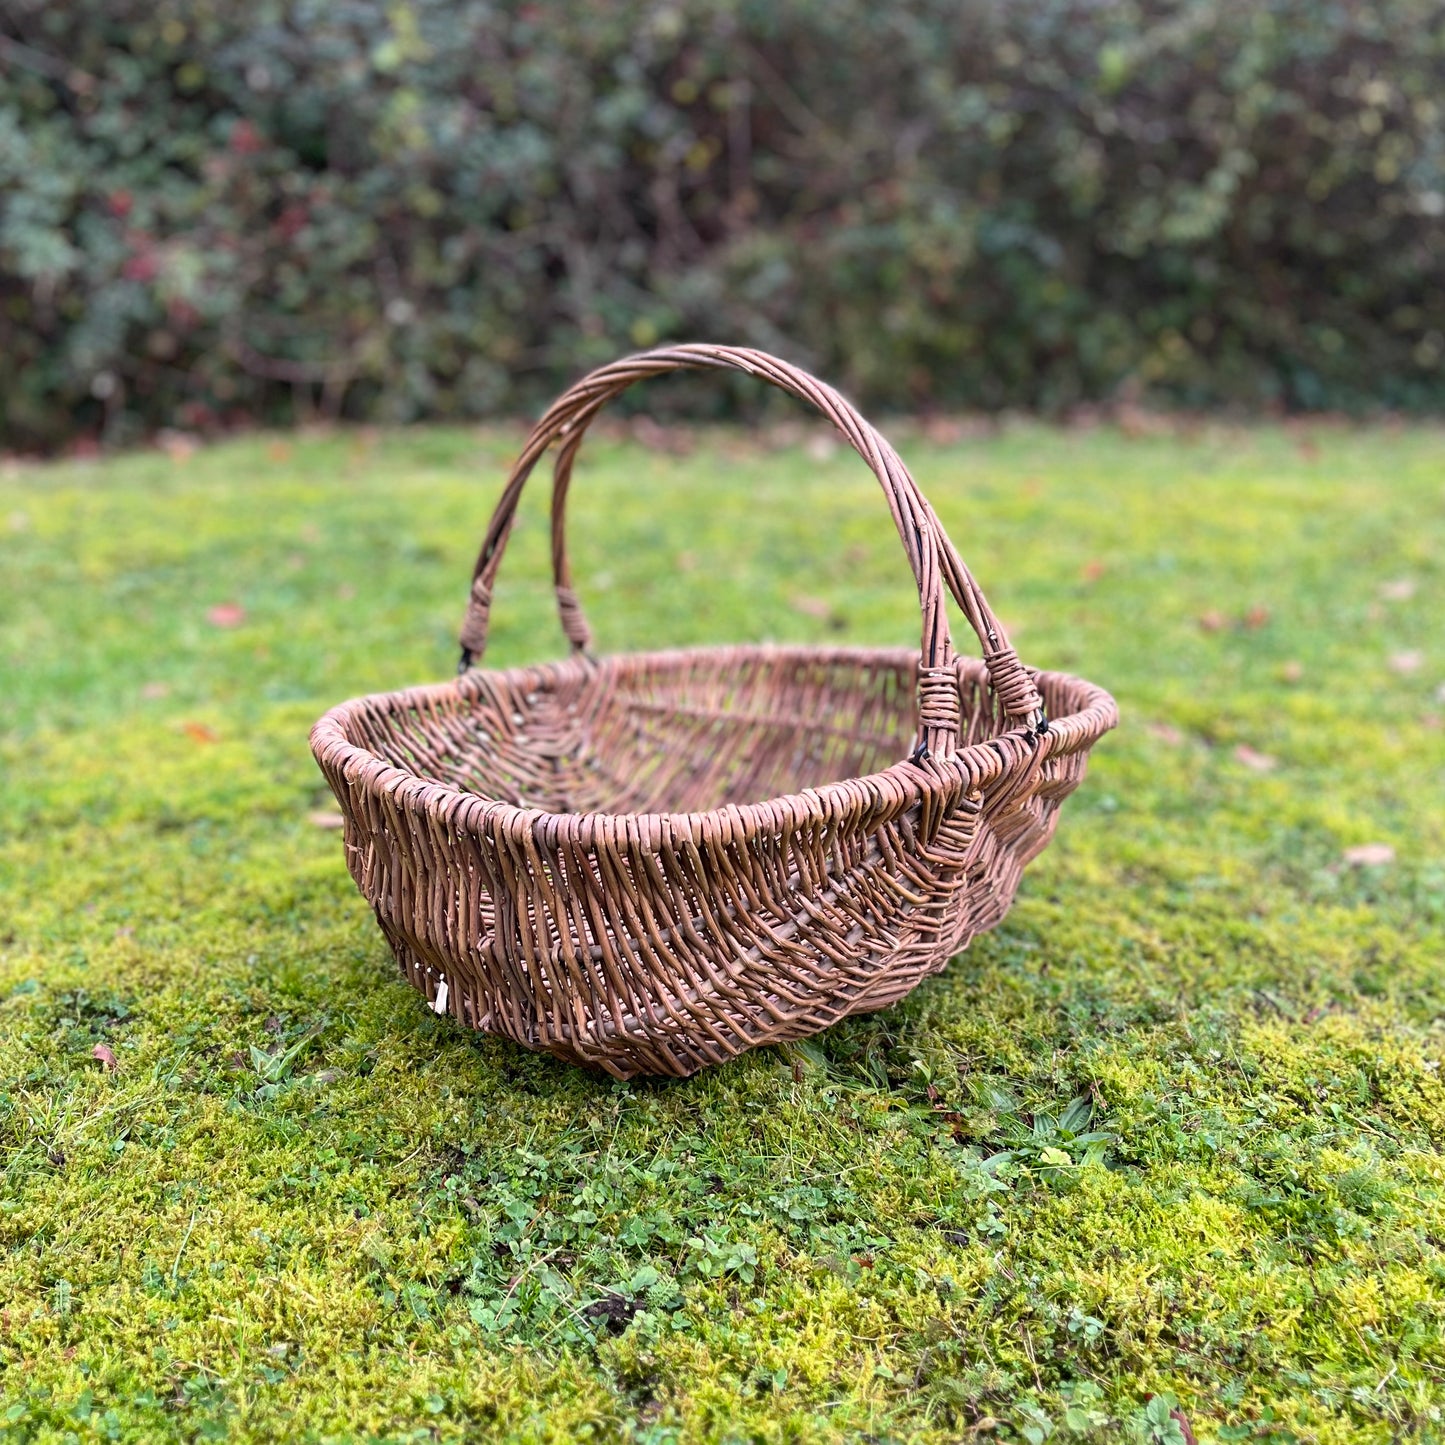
[{"x": 974, "y": 766}]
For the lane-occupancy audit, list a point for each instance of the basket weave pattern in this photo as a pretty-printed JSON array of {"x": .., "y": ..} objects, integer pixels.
[{"x": 649, "y": 863}]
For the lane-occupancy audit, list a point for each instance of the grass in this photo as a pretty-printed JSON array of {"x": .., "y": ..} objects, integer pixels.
[{"x": 1174, "y": 1132}]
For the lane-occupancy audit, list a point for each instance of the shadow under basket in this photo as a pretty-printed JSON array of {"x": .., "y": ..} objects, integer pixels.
[{"x": 649, "y": 863}]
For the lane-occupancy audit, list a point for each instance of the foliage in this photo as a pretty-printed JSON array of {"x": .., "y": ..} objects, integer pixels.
[
  {"x": 391, "y": 209},
  {"x": 1173, "y": 1135}
]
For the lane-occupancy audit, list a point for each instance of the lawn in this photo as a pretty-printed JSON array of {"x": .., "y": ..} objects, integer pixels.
[{"x": 255, "y": 1190}]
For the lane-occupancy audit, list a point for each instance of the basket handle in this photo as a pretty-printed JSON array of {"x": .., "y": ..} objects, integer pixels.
[{"x": 931, "y": 554}]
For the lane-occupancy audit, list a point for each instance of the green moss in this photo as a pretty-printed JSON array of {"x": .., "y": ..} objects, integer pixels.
[{"x": 302, "y": 1207}]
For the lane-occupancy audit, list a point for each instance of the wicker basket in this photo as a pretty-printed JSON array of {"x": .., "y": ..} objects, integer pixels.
[{"x": 649, "y": 863}]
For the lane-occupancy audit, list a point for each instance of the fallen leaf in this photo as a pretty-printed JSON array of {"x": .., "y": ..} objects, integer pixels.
[
  {"x": 200, "y": 733},
  {"x": 179, "y": 446},
  {"x": 1092, "y": 570},
  {"x": 226, "y": 614},
  {"x": 1401, "y": 590},
  {"x": 1185, "y": 1429},
  {"x": 106, "y": 1057},
  {"x": 322, "y": 819},
  {"x": 1256, "y": 762},
  {"x": 1406, "y": 662},
  {"x": 1135, "y": 422},
  {"x": 1256, "y": 617},
  {"x": 1292, "y": 672},
  {"x": 784, "y": 434},
  {"x": 676, "y": 440},
  {"x": 1211, "y": 621},
  {"x": 1369, "y": 855},
  {"x": 1167, "y": 733},
  {"x": 944, "y": 431}
]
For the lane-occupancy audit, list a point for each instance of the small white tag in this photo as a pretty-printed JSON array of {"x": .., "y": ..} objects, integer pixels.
[{"x": 440, "y": 1003}]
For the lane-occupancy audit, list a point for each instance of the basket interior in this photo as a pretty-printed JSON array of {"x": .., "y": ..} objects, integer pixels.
[{"x": 665, "y": 732}]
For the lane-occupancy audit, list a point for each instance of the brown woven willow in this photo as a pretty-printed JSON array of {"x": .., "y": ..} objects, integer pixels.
[{"x": 650, "y": 863}]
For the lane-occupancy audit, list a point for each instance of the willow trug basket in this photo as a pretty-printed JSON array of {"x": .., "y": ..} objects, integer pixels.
[{"x": 651, "y": 862}]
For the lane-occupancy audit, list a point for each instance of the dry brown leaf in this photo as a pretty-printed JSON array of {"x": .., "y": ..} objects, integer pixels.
[
  {"x": 1369, "y": 855},
  {"x": 1185, "y": 1429},
  {"x": 676, "y": 440},
  {"x": 1135, "y": 422},
  {"x": 1255, "y": 761},
  {"x": 944, "y": 431},
  {"x": 198, "y": 732},
  {"x": 106, "y": 1057},
  {"x": 179, "y": 446}
]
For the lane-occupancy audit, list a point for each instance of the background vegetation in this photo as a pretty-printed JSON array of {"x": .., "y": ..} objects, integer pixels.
[
  {"x": 214, "y": 213},
  {"x": 1174, "y": 1132}
]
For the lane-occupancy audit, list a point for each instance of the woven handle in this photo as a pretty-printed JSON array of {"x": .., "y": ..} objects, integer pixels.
[{"x": 932, "y": 556}]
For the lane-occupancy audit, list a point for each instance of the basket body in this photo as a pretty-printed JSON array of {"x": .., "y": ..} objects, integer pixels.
[{"x": 650, "y": 863}]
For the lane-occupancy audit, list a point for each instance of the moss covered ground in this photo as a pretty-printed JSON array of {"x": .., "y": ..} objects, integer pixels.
[{"x": 1175, "y": 1132}]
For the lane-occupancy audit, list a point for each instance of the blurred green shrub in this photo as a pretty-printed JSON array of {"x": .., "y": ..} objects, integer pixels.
[{"x": 212, "y": 211}]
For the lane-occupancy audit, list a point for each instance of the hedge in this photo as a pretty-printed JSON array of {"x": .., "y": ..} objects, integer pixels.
[{"x": 215, "y": 214}]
